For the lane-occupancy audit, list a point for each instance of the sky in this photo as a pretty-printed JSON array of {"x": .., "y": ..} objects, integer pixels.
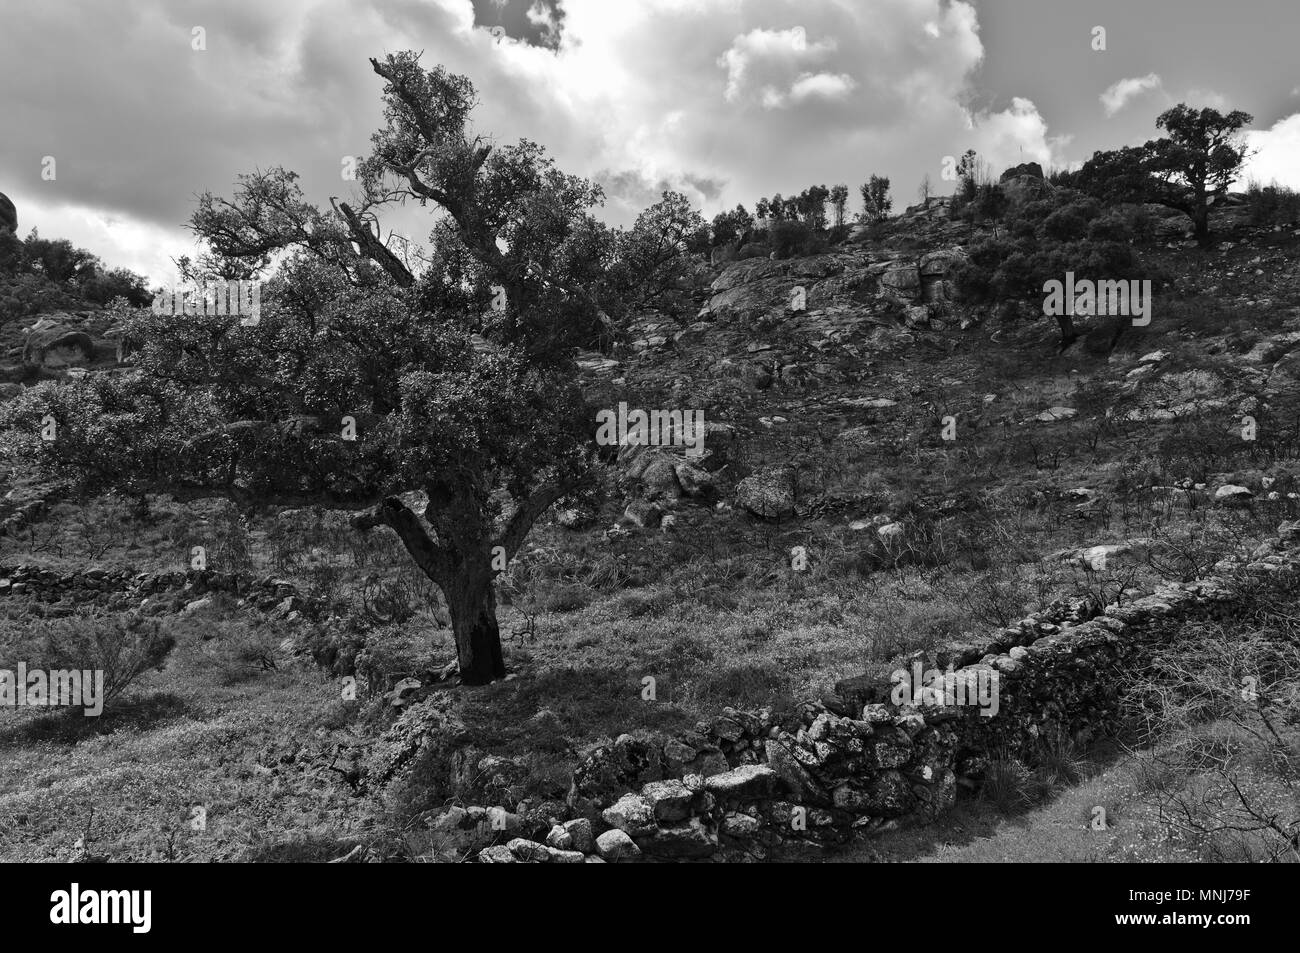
[{"x": 143, "y": 104}]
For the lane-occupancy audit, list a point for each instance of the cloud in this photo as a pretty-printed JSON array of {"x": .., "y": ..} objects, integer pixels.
[
  {"x": 771, "y": 62},
  {"x": 724, "y": 100},
  {"x": 1276, "y": 149},
  {"x": 1118, "y": 95},
  {"x": 1201, "y": 98}
]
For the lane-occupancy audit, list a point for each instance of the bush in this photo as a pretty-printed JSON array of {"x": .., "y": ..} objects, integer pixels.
[
  {"x": 122, "y": 647},
  {"x": 1272, "y": 204},
  {"x": 792, "y": 237}
]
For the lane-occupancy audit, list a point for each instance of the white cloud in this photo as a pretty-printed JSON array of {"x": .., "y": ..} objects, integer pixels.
[
  {"x": 1118, "y": 95},
  {"x": 1014, "y": 135},
  {"x": 1275, "y": 157},
  {"x": 768, "y": 60},
  {"x": 1201, "y": 98},
  {"x": 724, "y": 100}
]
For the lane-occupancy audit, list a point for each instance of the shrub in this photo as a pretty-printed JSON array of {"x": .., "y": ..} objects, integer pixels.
[
  {"x": 123, "y": 647},
  {"x": 1272, "y": 204}
]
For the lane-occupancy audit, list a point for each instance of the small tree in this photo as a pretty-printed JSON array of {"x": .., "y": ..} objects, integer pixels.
[
  {"x": 924, "y": 190},
  {"x": 810, "y": 206},
  {"x": 732, "y": 226},
  {"x": 839, "y": 201},
  {"x": 876, "y": 203}
]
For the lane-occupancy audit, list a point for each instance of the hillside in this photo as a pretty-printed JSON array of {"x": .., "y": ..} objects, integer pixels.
[{"x": 890, "y": 472}]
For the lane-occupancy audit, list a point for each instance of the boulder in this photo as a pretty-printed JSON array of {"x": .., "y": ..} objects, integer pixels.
[
  {"x": 1231, "y": 492},
  {"x": 8, "y": 214},
  {"x": 693, "y": 481},
  {"x": 644, "y": 514},
  {"x": 58, "y": 349},
  {"x": 886, "y": 795},
  {"x": 769, "y": 494},
  {"x": 1031, "y": 169},
  {"x": 689, "y": 839},
  {"x": 747, "y": 782},
  {"x": 903, "y": 278},
  {"x": 1024, "y": 183},
  {"x": 632, "y": 814},
  {"x": 1056, "y": 413},
  {"x": 668, "y": 800},
  {"x": 617, "y": 845}
]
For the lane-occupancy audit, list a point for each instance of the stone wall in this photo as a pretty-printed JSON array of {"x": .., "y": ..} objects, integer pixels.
[
  {"x": 122, "y": 589},
  {"x": 743, "y": 783}
]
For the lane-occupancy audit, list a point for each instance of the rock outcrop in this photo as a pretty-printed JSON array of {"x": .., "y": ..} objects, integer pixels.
[{"x": 8, "y": 214}]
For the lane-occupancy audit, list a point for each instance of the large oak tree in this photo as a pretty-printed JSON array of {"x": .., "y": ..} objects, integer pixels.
[
  {"x": 1190, "y": 168},
  {"x": 370, "y": 375}
]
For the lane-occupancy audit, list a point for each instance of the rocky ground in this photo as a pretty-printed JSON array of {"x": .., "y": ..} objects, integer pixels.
[{"x": 886, "y": 472}]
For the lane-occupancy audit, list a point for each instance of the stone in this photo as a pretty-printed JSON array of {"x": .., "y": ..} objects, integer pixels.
[
  {"x": 668, "y": 800},
  {"x": 583, "y": 837},
  {"x": 746, "y": 782},
  {"x": 769, "y": 494},
  {"x": 8, "y": 213},
  {"x": 559, "y": 838},
  {"x": 1056, "y": 413},
  {"x": 56, "y": 349},
  {"x": 630, "y": 813},
  {"x": 688, "y": 840},
  {"x": 679, "y": 753},
  {"x": 693, "y": 481},
  {"x": 886, "y": 795},
  {"x": 793, "y": 776},
  {"x": 891, "y": 531},
  {"x": 617, "y": 845},
  {"x": 644, "y": 514},
  {"x": 528, "y": 852},
  {"x": 660, "y": 476},
  {"x": 1231, "y": 491},
  {"x": 500, "y": 854},
  {"x": 736, "y": 824}
]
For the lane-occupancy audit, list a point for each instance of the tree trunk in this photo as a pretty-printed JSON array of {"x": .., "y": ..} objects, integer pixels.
[
  {"x": 1068, "y": 334},
  {"x": 471, "y": 602},
  {"x": 1201, "y": 224}
]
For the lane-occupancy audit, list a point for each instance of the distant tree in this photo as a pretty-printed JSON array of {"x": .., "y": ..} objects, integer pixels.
[
  {"x": 103, "y": 286},
  {"x": 971, "y": 174},
  {"x": 924, "y": 190},
  {"x": 839, "y": 201},
  {"x": 762, "y": 211},
  {"x": 58, "y": 259},
  {"x": 811, "y": 206},
  {"x": 731, "y": 226},
  {"x": 777, "y": 207},
  {"x": 1187, "y": 170},
  {"x": 458, "y": 384},
  {"x": 876, "y": 203}
]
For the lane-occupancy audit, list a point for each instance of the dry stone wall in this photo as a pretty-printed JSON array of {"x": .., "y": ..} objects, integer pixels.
[
  {"x": 119, "y": 589},
  {"x": 743, "y": 783}
]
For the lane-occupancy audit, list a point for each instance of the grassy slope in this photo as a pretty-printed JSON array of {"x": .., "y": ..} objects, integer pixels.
[{"x": 711, "y": 610}]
